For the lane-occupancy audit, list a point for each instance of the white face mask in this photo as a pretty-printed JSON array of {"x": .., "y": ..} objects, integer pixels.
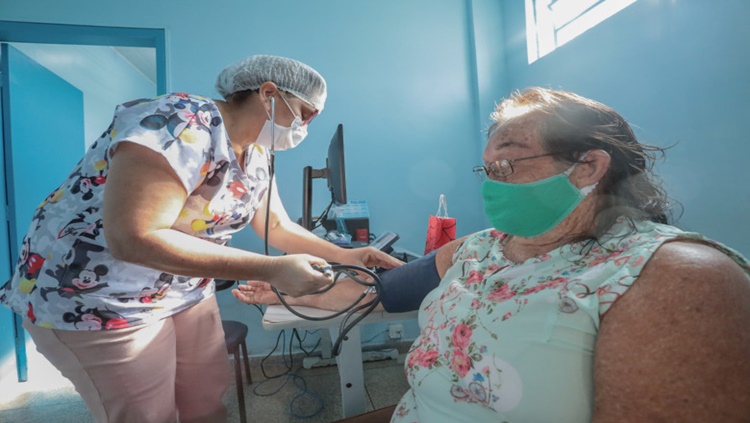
[{"x": 285, "y": 137}]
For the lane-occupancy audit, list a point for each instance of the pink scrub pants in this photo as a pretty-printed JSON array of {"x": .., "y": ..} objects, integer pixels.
[{"x": 175, "y": 367}]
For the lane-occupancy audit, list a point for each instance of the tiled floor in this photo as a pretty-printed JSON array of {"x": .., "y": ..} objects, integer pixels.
[{"x": 284, "y": 399}]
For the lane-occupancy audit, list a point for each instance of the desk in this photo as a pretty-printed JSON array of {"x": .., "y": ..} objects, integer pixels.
[{"x": 351, "y": 372}]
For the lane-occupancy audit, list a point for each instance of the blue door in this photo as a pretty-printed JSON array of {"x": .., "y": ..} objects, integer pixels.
[{"x": 43, "y": 139}]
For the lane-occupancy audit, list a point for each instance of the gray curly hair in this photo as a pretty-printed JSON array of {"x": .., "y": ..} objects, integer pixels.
[{"x": 570, "y": 125}]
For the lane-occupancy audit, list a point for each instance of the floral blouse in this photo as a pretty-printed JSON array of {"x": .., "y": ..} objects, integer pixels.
[
  {"x": 66, "y": 278},
  {"x": 507, "y": 342}
]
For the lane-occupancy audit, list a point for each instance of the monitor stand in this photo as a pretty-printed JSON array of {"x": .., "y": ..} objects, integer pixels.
[{"x": 308, "y": 174}]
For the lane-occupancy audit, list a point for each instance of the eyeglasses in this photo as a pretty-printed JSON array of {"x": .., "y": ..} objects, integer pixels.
[
  {"x": 502, "y": 168},
  {"x": 306, "y": 119}
]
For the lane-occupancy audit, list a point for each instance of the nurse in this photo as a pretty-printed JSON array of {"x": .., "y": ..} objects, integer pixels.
[{"x": 115, "y": 277}]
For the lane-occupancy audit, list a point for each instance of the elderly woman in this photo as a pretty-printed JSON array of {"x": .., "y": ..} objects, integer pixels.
[
  {"x": 580, "y": 304},
  {"x": 115, "y": 277}
]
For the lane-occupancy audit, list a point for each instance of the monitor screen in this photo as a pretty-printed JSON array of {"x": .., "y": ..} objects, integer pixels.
[{"x": 335, "y": 165}]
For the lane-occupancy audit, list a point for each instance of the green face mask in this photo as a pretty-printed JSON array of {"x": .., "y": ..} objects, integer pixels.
[{"x": 529, "y": 210}]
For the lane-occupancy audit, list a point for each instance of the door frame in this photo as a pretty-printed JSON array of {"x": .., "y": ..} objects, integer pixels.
[
  {"x": 44, "y": 33},
  {"x": 47, "y": 33}
]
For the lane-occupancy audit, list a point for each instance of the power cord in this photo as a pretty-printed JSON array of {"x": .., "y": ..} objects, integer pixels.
[
  {"x": 289, "y": 374},
  {"x": 382, "y": 332},
  {"x": 323, "y": 216}
]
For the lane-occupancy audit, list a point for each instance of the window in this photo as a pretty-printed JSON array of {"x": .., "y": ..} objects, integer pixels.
[{"x": 552, "y": 23}]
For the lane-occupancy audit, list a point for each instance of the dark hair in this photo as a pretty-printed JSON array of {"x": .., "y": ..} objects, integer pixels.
[
  {"x": 570, "y": 125},
  {"x": 239, "y": 97}
]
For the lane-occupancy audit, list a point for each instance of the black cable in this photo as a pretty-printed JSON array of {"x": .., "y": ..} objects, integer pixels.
[
  {"x": 268, "y": 202},
  {"x": 271, "y": 172},
  {"x": 300, "y": 340},
  {"x": 317, "y": 223},
  {"x": 354, "y": 308},
  {"x": 290, "y": 374},
  {"x": 290, "y": 364},
  {"x": 382, "y": 332},
  {"x": 297, "y": 379},
  {"x": 305, "y": 392},
  {"x": 267, "y": 356},
  {"x": 344, "y": 329},
  {"x": 339, "y": 269}
]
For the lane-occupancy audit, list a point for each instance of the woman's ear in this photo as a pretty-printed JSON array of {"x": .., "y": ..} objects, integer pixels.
[
  {"x": 591, "y": 169},
  {"x": 267, "y": 90}
]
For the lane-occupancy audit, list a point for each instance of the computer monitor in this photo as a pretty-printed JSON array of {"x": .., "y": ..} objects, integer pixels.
[{"x": 334, "y": 172}]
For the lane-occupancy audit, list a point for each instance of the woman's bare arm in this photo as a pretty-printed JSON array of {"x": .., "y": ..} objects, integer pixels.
[
  {"x": 341, "y": 295},
  {"x": 676, "y": 346},
  {"x": 290, "y": 237},
  {"x": 143, "y": 198}
]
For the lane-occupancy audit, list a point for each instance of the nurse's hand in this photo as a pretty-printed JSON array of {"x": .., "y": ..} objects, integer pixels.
[{"x": 296, "y": 274}]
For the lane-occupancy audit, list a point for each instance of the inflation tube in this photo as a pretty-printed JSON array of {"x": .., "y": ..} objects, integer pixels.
[{"x": 340, "y": 270}]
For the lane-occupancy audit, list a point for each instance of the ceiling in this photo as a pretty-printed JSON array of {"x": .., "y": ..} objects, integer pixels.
[{"x": 142, "y": 58}]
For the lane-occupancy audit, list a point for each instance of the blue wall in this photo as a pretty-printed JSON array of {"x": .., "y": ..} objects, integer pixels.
[
  {"x": 399, "y": 75},
  {"x": 413, "y": 83},
  {"x": 402, "y": 79},
  {"x": 678, "y": 72}
]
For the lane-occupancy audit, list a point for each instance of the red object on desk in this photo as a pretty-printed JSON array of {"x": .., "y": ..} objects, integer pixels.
[{"x": 362, "y": 234}]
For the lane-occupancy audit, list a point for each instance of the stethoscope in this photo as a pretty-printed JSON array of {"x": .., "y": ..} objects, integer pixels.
[{"x": 339, "y": 270}]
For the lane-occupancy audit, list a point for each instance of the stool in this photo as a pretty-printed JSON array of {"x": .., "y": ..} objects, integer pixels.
[{"x": 234, "y": 336}]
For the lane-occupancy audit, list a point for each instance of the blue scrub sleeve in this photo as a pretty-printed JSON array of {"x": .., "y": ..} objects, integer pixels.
[{"x": 405, "y": 287}]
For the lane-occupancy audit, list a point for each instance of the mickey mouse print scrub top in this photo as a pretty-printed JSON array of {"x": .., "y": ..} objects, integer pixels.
[{"x": 66, "y": 278}]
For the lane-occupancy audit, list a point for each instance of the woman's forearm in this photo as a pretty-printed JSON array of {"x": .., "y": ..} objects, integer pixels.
[{"x": 175, "y": 252}]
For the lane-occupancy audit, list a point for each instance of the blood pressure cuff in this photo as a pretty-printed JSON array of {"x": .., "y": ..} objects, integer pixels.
[{"x": 405, "y": 287}]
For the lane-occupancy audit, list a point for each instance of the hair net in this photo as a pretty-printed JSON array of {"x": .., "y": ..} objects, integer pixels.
[{"x": 288, "y": 75}]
